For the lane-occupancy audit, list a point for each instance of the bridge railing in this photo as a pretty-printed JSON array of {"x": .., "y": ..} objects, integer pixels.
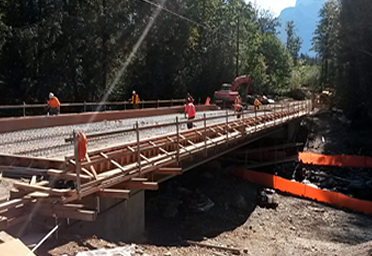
[{"x": 78, "y": 107}]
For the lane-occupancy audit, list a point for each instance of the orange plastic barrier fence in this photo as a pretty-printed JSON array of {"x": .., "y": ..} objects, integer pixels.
[
  {"x": 299, "y": 189},
  {"x": 336, "y": 160}
]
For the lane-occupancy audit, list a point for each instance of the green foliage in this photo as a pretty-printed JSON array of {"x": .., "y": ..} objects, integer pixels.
[
  {"x": 293, "y": 41},
  {"x": 77, "y": 49}
]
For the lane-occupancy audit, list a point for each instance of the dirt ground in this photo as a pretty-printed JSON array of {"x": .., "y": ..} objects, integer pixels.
[
  {"x": 211, "y": 206},
  {"x": 295, "y": 227}
]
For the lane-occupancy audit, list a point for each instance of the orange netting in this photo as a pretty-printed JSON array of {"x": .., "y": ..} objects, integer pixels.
[{"x": 299, "y": 189}]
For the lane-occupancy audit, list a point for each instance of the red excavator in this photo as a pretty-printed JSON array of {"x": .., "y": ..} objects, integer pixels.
[{"x": 229, "y": 92}]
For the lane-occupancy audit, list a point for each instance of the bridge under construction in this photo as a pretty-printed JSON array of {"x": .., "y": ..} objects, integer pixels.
[{"x": 128, "y": 152}]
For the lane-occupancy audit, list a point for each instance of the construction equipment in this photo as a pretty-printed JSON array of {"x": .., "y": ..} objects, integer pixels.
[
  {"x": 228, "y": 92},
  {"x": 325, "y": 98}
]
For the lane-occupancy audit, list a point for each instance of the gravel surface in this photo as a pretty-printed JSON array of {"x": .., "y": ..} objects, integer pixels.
[{"x": 50, "y": 142}]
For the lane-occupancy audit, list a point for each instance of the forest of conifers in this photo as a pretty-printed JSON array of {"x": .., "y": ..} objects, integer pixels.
[{"x": 84, "y": 49}]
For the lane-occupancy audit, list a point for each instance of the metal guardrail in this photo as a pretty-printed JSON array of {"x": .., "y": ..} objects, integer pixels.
[{"x": 85, "y": 105}]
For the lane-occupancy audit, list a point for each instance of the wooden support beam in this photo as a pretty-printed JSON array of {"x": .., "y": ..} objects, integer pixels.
[
  {"x": 50, "y": 191},
  {"x": 141, "y": 185},
  {"x": 161, "y": 149},
  {"x": 78, "y": 214},
  {"x": 59, "y": 174},
  {"x": 169, "y": 171},
  {"x": 11, "y": 203},
  {"x": 82, "y": 168},
  {"x": 141, "y": 155},
  {"x": 114, "y": 193},
  {"x": 114, "y": 162},
  {"x": 138, "y": 179}
]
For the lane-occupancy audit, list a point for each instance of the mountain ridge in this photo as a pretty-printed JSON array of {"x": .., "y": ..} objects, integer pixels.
[{"x": 305, "y": 15}]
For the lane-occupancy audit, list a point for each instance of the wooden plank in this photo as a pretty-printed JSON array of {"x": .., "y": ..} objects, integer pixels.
[
  {"x": 15, "y": 248},
  {"x": 232, "y": 250},
  {"x": 91, "y": 167},
  {"x": 67, "y": 175},
  {"x": 169, "y": 171},
  {"x": 114, "y": 163},
  {"x": 114, "y": 193},
  {"x": 5, "y": 237},
  {"x": 82, "y": 168},
  {"x": 142, "y": 185},
  {"x": 11, "y": 203},
  {"x": 141, "y": 155},
  {"x": 78, "y": 214},
  {"x": 138, "y": 179},
  {"x": 51, "y": 191}
]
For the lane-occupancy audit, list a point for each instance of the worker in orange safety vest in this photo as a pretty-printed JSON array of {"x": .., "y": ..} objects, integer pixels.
[
  {"x": 53, "y": 105},
  {"x": 257, "y": 104},
  {"x": 135, "y": 100},
  {"x": 190, "y": 110}
]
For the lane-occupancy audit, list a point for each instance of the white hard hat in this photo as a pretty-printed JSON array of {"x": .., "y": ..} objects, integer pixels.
[
  {"x": 51, "y": 95},
  {"x": 134, "y": 92}
]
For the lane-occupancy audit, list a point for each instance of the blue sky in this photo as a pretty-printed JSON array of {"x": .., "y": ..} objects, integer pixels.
[{"x": 274, "y": 5}]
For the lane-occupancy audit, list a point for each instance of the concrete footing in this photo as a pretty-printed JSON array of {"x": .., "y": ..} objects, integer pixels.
[{"x": 118, "y": 219}]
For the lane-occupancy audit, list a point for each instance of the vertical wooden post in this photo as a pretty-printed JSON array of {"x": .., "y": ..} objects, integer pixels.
[
  {"x": 157, "y": 103},
  {"x": 138, "y": 149},
  {"x": 77, "y": 164},
  {"x": 178, "y": 140},
  {"x": 24, "y": 108},
  {"x": 85, "y": 106}
]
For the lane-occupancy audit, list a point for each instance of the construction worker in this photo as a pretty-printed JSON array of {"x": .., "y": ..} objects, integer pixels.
[
  {"x": 53, "y": 105},
  {"x": 190, "y": 110},
  {"x": 135, "y": 100},
  {"x": 238, "y": 108},
  {"x": 257, "y": 104},
  {"x": 188, "y": 99}
]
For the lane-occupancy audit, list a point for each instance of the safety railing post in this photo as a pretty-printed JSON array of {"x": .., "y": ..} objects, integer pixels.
[
  {"x": 178, "y": 140},
  {"x": 255, "y": 119},
  {"x": 205, "y": 134},
  {"x": 85, "y": 106},
  {"x": 77, "y": 164},
  {"x": 24, "y": 108},
  {"x": 264, "y": 110},
  {"x": 138, "y": 149},
  {"x": 172, "y": 102},
  {"x": 157, "y": 103},
  {"x": 274, "y": 113},
  {"x": 227, "y": 127}
]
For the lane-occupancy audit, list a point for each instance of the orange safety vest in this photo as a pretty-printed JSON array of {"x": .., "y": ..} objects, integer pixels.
[
  {"x": 257, "y": 102},
  {"x": 53, "y": 102},
  {"x": 135, "y": 99},
  {"x": 237, "y": 107},
  {"x": 190, "y": 109}
]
